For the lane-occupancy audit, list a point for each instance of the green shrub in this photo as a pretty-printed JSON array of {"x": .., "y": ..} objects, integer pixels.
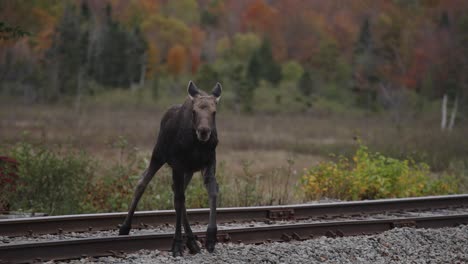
[
  {"x": 246, "y": 186},
  {"x": 459, "y": 170},
  {"x": 292, "y": 71},
  {"x": 372, "y": 176},
  {"x": 287, "y": 98},
  {"x": 64, "y": 182},
  {"x": 50, "y": 181}
]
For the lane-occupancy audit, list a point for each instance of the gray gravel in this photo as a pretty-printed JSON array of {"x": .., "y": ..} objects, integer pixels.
[{"x": 403, "y": 245}]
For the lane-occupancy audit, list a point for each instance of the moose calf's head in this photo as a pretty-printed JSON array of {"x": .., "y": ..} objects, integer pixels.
[{"x": 204, "y": 110}]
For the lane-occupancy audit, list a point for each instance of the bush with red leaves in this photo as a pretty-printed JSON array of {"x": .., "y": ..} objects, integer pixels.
[{"x": 8, "y": 178}]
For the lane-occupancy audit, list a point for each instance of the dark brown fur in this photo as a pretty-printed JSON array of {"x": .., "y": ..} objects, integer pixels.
[{"x": 187, "y": 142}]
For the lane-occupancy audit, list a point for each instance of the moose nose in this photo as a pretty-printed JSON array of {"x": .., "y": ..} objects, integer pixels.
[{"x": 203, "y": 133}]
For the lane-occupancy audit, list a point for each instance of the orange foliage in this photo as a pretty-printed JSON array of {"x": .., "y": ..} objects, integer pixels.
[
  {"x": 195, "y": 59},
  {"x": 260, "y": 17},
  {"x": 40, "y": 22},
  {"x": 416, "y": 70},
  {"x": 265, "y": 20},
  {"x": 176, "y": 59},
  {"x": 46, "y": 34},
  {"x": 198, "y": 37},
  {"x": 152, "y": 61}
]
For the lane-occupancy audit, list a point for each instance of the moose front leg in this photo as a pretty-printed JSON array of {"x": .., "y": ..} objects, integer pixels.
[
  {"x": 148, "y": 174},
  {"x": 191, "y": 240},
  {"x": 212, "y": 188}
]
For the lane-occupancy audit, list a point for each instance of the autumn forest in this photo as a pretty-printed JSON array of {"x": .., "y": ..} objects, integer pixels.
[
  {"x": 359, "y": 53},
  {"x": 380, "y": 82}
]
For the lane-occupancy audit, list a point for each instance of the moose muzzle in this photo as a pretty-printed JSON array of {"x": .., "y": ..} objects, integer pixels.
[{"x": 203, "y": 133}]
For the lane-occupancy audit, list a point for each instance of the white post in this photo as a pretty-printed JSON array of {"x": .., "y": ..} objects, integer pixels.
[
  {"x": 443, "y": 124},
  {"x": 453, "y": 115}
]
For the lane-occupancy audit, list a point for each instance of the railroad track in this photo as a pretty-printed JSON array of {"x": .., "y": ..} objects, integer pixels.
[
  {"x": 117, "y": 245},
  {"x": 109, "y": 221}
]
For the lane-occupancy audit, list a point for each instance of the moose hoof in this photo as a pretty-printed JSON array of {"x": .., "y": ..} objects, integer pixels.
[
  {"x": 210, "y": 239},
  {"x": 192, "y": 245},
  {"x": 177, "y": 248},
  {"x": 124, "y": 230}
]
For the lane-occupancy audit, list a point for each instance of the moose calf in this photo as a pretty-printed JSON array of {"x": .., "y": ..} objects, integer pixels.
[{"x": 187, "y": 142}]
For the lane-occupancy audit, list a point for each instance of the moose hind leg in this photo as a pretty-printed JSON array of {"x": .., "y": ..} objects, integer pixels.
[
  {"x": 212, "y": 188},
  {"x": 178, "y": 187},
  {"x": 146, "y": 177}
]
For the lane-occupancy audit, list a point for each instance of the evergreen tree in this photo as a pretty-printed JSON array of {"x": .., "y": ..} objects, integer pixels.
[
  {"x": 11, "y": 32},
  {"x": 68, "y": 52},
  {"x": 306, "y": 83},
  {"x": 206, "y": 76},
  {"x": 326, "y": 60},
  {"x": 110, "y": 58},
  {"x": 262, "y": 65},
  {"x": 444, "y": 20},
  {"x": 270, "y": 70},
  {"x": 365, "y": 77},
  {"x": 364, "y": 41},
  {"x": 117, "y": 60},
  {"x": 244, "y": 88},
  {"x": 135, "y": 56},
  {"x": 254, "y": 66}
]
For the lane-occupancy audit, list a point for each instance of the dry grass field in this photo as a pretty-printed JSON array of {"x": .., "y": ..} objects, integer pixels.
[
  {"x": 265, "y": 140},
  {"x": 269, "y": 151}
]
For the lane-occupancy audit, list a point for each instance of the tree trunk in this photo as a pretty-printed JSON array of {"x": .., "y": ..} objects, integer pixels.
[
  {"x": 79, "y": 91},
  {"x": 52, "y": 92},
  {"x": 443, "y": 123},
  {"x": 143, "y": 70},
  {"x": 454, "y": 113}
]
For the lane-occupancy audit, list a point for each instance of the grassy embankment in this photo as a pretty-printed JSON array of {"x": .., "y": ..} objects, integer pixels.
[{"x": 262, "y": 156}]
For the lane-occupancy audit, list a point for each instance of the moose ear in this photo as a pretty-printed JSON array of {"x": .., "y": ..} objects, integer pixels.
[
  {"x": 192, "y": 90},
  {"x": 217, "y": 91}
]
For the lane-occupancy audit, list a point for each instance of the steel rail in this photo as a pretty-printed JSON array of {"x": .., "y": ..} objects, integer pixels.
[
  {"x": 118, "y": 245},
  {"x": 108, "y": 221}
]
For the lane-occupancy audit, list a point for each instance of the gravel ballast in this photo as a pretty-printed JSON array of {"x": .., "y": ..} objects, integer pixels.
[{"x": 402, "y": 245}]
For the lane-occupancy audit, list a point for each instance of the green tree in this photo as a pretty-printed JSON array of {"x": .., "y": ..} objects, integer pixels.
[
  {"x": 254, "y": 72},
  {"x": 136, "y": 56},
  {"x": 69, "y": 51},
  {"x": 462, "y": 28},
  {"x": 307, "y": 83},
  {"x": 292, "y": 71},
  {"x": 244, "y": 45},
  {"x": 240, "y": 49},
  {"x": 364, "y": 41},
  {"x": 326, "y": 60},
  {"x": 244, "y": 88},
  {"x": 209, "y": 16},
  {"x": 11, "y": 32},
  {"x": 118, "y": 56},
  {"x": 270, "y": 70},
  {"x": 365, "y": 76},
  {"x": 262, "y": 66},
  {"x": 206, "y": 77}
]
